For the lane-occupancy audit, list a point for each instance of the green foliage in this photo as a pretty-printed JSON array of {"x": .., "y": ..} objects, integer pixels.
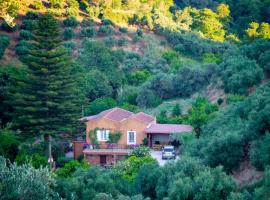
[
  {"x": 130, "y": 167},
  {"x": 38, "y": 113},
  {"x": 56, "y": 4},
  {"x": 68, "y": 33},
  {"x": 239, "y": 73},
  {"x": 121, "y": 42},
  {"x": 173, "y": 59},
  {"x": 176, "y": 110},
  {"x": 37, "y": 4},
  {"x": 99, "y": 105},
  {"x": 9, "y": 145},
  {"x": 259, "y": 152},
  {"x": 114, "y": 137},
  {"x": 105, "y": 30},
  {"x": 200, "y": 113},
  {"x": 262, "y": 192},
  {"x": 36, "y": 160},
  {"x": 86, "y": 22},
  {"x": 234, "y": 98},
  {"x": 70, "y": 168},
  {"x": 257, "y": 30},
  {"x": 72, "y": 8},
  {"x": 61, "y": 161},
  {"x": 140, "y": 151},
  {"x": 4, "y": 43},
  {"x": 71, "y": 22},
  {"x": 25, "y": 182},
  {"x": 148, "y": 99},
  {"x": 110, "y": 41},
  {"x": 25, "y": 35},
  {"x": 88, "y": 32},
  {"x": 138, "y": 77},
  {"x": 29, "y": 24},
  {"x": 96, "y": 85},
  {"x": 123, "y": 29}
]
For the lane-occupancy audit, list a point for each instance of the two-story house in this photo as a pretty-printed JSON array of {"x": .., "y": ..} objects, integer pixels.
[{"x": 134, "y": 128}]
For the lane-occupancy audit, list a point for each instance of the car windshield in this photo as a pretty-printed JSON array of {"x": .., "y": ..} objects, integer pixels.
[{"x": 168, "y": 149}]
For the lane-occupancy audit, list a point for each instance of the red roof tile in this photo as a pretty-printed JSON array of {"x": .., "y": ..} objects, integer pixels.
[
  {"x": 168, "y": 128},
  {"x": 144, "y": 117}
]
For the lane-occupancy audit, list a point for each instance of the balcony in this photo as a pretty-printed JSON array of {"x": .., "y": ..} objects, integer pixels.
[{"x": 108, "y": 149}]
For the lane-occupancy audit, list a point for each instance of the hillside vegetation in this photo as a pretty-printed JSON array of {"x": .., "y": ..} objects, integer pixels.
[{"x": 204, "y": 63}]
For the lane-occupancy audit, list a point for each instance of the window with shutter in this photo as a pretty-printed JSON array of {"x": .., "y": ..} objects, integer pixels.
[{"x": 131, "y": 137}]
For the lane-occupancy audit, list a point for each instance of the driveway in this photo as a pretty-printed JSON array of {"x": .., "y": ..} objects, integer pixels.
[{"x": 157, "y": 155}]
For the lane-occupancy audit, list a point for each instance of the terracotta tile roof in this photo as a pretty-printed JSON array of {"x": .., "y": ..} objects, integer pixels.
[
  {"x": 115, "y": 114},
  {"x": 144, "y": 117},
  {"x": 168, "y": 128}
]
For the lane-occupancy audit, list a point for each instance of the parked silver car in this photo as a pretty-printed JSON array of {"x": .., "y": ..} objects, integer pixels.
[{"x": 168, "y": 152}]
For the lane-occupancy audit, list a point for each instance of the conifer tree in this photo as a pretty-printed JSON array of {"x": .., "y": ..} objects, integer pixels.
[{"x": 46, "y": 101}]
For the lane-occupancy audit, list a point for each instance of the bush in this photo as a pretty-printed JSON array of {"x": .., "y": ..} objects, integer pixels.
[
  {"x": 109, "y": 41},
  {"x": 121, "y": 42},
  {"x": 234, "y": 98},
  {"x": 138, "y": 77},
  {"x": 86, "y": 22},
  {"x": 61, "y": 161},
  {"x": 37, "y": 4},
  {"x": 123, "y": 29},
  {"x": 136, "y": 38},
  {"x": 31, "y": 15},
  {"x": 29, "y": 24},
  {"x": 106, "y": 22},
  {"x": 36, "y": 160},
  {"x": 22, "y": 47},
  {"x": 68, "y": 33},
  {"x": 139, "y": 32},
  {"x": 259, "y": 152},
  {"x": 71, "y": 22},
  {"x": 100, "y": 104},
  {"x": 70, "y": 167},
  {"x": 56, "y": 3},
  {"x": 72, "y": 8},
  {"x": 4, "y": 43},
  {"x": 88, "y": 32},
  {"x": 25, "y": 182},
  {"x": 105, "y": 30},
  {"x": 140, "y": 151},
  {"x": 25, "y": 35},
  {"x": 147, "y": 98},
  {"x": 9, "y": 145}
]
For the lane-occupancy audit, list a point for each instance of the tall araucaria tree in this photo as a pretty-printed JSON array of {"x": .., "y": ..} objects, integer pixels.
[{"x": 46, "y": 102}]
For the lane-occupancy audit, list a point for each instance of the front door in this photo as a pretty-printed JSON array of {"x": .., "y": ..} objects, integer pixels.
[{"x": 103, "y": 160}]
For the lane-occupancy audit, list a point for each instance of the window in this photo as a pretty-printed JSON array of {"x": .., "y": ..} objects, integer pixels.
[
  {"x": 131, "y": 137},
  {"x": 103, "y": 135}
]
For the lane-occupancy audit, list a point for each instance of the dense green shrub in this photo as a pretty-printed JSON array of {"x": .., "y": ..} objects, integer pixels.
[
  {"x": 138, "y": 77},
  {"x": 25, "y": 35},
  {"x": 56, "y": 4},
  {"x": 106, "y": 22},
  {"x": 68, "y": 33},
  {"x": 37, "y": 4},
  {"x": 29, "y": 24},
  {"x": 36, "y": 160},
  {"x": 99, "y": 105},
  {"x": 147, "y": 98},
  {"x": 105, "y": 30},
  {"x": 70, "y": 167},
  {"x": 70, "y": 45},
  {"x": 239, "y": 73},
  {"x": 96, "y": 85},
  {"x": 259, "y": 152},
  {"x": 61, "y": 161},
  {"x": 31, "y": 15},
  {"x": 9, "y": 144},
  {"x": 110, "y": 41},
  {"x": 22, "y": 47},
  {"x": 4, "y": 43},
  {"x": 234, "y": 98},
  {"x": 86, "y": 22},
  {"x": 88, "y": 32},
  {"x": 121, "y": 42},
  {"x": 71, "y": 22},
  {"x": 140, "y": 151},
  {"x": 123, "y": 29},
  {"x": 25, "y": 182},
  {"x": 139, "y": 32}
]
